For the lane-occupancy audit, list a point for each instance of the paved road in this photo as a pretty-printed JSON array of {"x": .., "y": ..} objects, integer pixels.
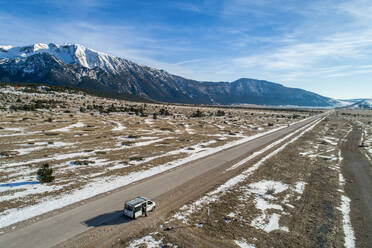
[{"x": 54, "y": 230}]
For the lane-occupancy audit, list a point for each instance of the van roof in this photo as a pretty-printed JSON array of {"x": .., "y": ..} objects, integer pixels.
[{"x": 136, "y": 201}]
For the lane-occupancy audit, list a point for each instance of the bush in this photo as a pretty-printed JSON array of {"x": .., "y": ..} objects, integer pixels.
[
  {"x": 220, "y": 113},
  {"x": 198, "y": 113},
  {"x": 44, "y": 174},
  {"x": 164, "y": 112}
]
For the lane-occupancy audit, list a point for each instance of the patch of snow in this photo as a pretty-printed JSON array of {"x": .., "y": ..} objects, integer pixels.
[
  {"x": 348, "y": 229},
  {"x": 119, "y": 126},
  {"x": 349, "y": 241},
  {"x": 147, "y": 240},
  {"x": 13, "y": 129},
  {"x": 300, "y": 187},
  {"x": 268, "y": 223},
  {"x": 243, "y": 244},
  {"x": 67, "y": 129},
  {"x": 188, "y": 129},
  {"x": 231, "y": 215},
  {"x": 262, "y": 187},
  {"x": 149, "y": 122},
  {"x": 23, "y": 151},
  {"x": 330, "y": 141}
]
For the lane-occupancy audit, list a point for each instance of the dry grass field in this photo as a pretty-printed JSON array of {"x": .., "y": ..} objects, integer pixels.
[
  {"x": 96, "y": 144},
  {"x": 293, "y": 197}
]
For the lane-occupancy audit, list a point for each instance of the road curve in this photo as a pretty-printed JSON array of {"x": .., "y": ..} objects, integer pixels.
[{"x": 56, "y": 229}]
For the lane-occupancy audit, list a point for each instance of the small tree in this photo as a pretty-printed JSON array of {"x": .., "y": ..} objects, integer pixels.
[
  {"x": 220, "y": 113},
  {"x": 44, "y": 174}
]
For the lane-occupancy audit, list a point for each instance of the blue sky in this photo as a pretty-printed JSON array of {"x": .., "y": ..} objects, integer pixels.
[{"x": 322, "y": 46}]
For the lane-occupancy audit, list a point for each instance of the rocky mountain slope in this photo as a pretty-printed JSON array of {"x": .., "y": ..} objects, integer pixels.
[{"x": 77, "y": 66}]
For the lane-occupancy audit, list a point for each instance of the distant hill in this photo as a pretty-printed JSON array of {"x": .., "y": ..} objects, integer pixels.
[
  {"x": 77, "y": 66},
  {"x": 357, "y": 103}
]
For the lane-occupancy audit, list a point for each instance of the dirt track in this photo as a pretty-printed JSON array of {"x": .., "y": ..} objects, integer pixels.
[{"x": 358, "y": 173}]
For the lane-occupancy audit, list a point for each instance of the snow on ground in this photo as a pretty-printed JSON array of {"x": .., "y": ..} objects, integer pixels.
[
  {"x": 98, "y": 186},
  {"x": 348, "y": 229},
  {"x": 349, "y": 241},
  {"x": 367, "y": 141},
  {"x": 149, "y": 241},
  {"x": 188, "y": 129},
  {"x": 40, "y": 146},
  {"x": 300, "y": 187},
  {"x": 15, "y": 131},
  {"x": 101, "y": 185},
  {"x": 119, "y": 126},
  {"x": 330, "y": 140},
  {"x": 255, "y": 154},
  {"x": 149, "y": 122},
  {"x": 68, "y": 128},
  {"x": 214, "y": 195},
  {"x": 344, "y": 208},
  {"x": 243, "y": 244},
  {"x": 264, "y": 192},
  {"x": 146, "y": 241}
]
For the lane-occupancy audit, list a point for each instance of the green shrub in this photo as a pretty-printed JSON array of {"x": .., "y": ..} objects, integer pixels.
[
  {"x": 198, "y": 113},
  {"x": 45, "y": 174}
]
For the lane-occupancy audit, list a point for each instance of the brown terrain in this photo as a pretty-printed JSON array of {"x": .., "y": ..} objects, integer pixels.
[{"x": 291, "y": 194}]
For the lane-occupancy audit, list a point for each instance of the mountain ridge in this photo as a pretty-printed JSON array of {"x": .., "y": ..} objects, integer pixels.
[{"x": 77, "y": 66}]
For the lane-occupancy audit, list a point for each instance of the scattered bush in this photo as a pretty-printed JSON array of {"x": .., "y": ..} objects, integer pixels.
[
  {"x": 133, "y": 136},
  {"x": 83, "y": 162},
  {"x": 136, "y": 158},
  {"x": 164, "y": 112},
  {"x": 126, "y": 143},
  {"x": 198, "y": 113},
  {"x": 220, "y": 113}
]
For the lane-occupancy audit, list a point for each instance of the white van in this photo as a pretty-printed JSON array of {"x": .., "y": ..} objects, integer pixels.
[{"x": 134, "y": 208}]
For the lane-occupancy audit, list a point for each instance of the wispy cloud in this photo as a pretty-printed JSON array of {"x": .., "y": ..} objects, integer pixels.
[
  {"x": 188, "y": 7},
  {"x": 187, "y": 61}
]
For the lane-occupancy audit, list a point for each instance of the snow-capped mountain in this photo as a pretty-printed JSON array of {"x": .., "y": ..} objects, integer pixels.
[
  {"x": 77, "y": 66},
  {"x": 68, "y": 54}
]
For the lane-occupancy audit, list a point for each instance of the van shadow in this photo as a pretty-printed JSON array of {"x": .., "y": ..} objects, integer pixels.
[{"x": 108, "y": 219}]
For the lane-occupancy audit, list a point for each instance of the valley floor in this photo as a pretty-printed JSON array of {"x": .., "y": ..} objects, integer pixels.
[
  {"x": 305, "y": 193},
  {"x": 309, "y": 188},
  {"x": 92, "y": 151}
]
